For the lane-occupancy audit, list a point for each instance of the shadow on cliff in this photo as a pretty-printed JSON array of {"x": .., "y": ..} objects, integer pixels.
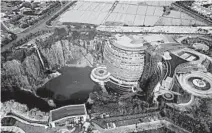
[
  {"x": 78, "y": 97},
  {"x": 44, "y": 93},
  {"x": 24, "y": 97}
]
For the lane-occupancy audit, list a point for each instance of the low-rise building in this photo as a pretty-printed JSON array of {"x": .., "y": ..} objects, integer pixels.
[{"x": 68, "y": 115}]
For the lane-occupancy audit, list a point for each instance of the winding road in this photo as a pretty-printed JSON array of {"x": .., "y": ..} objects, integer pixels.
[{"x": 41, "y": 25}]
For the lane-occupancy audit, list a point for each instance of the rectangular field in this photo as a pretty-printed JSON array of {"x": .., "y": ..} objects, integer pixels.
[
  {"x": 87, "y": 12},
  {"x": 133, "y": 13}
]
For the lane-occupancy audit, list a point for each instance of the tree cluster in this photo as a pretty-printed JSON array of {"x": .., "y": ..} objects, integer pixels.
[
  {"x": 188, "y": 4},
  {"x": 185, "y": 121}
]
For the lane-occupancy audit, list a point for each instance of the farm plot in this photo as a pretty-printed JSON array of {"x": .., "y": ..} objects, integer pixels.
[
  {"x": 177, "y": 18},
  {"x": 135, "y": 14},
  {"x": 132, "y": 13},
  {"x": 86, "y": 12}
]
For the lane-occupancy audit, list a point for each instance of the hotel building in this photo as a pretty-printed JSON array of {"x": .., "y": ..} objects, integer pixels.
[{"x": 124, "y": 59}]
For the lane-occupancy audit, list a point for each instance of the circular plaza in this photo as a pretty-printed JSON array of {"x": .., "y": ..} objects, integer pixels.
[
  {"x": 197, "y": 83},
  {"x": 100, "y": 74},
  {"x": 168, "y": 96}
]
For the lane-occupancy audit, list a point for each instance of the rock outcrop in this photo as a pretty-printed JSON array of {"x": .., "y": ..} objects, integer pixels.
[{"x": 24, "y": 70}]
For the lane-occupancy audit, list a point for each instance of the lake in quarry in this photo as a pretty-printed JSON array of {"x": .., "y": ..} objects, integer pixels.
[{"x": 71, "y": 87}]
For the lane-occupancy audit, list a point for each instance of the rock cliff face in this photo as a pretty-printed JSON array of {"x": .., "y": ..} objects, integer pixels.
[{"x": 23, "y": 69}]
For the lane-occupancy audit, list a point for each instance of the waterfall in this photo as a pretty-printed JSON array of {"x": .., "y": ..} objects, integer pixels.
[{"x": 39, "y": 56}]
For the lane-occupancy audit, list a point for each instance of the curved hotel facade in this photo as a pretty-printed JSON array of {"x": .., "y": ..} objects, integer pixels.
[{"x": 124, "y": 59}]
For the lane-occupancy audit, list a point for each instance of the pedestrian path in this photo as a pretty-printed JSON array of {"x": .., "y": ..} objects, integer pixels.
[{"x": 13, "y": 129}]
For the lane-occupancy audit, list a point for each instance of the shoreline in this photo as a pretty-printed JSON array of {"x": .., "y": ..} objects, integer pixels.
[{"x": 82, "y": 63}]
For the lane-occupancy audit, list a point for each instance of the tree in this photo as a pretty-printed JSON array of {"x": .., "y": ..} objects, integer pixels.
[
  {"x": 75, "y": 35},
  {"x": 8, "y": 121},
  {"x": 60, "y": 32},
  {"x": 69, "y": 28}
]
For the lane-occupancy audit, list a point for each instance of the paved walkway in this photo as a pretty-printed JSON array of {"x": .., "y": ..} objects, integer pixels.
[
  {"x": 26, "y": 122},
  {"x": 142, "y": 127},
  {"x": 188, "y": 30},
  {"x": 13, "y": 129}
]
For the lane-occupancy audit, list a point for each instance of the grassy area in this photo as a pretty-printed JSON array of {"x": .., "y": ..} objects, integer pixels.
[
  {"x": 67, "y": 111},
  {"x": 34, "y": 129},
  {"x": 29, "y": 128}
]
